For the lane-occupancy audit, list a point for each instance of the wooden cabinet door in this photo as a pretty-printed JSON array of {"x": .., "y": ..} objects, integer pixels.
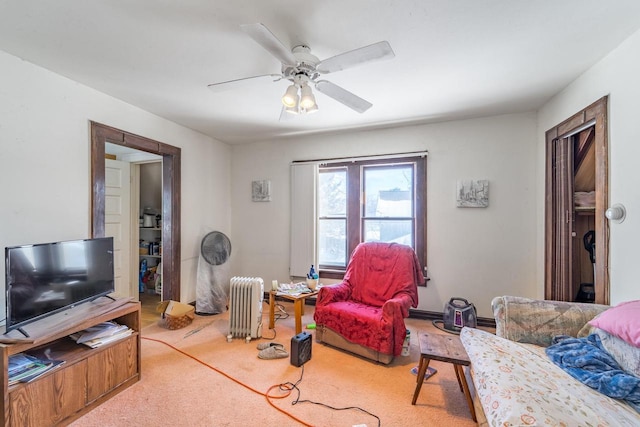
[
  {"x": 111, "y": 367},
  {"x": 49, "y": 400}
]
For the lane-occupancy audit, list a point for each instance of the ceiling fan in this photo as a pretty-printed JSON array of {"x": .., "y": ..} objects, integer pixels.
[{"x": 303, "y": 70}]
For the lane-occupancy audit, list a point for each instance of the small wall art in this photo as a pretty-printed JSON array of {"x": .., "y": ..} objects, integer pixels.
[
  {"x": 261, "y": 191},
  {"x": 472, "y": 193}
]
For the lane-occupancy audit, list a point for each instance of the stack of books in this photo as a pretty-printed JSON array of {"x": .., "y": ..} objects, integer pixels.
[
  {"x": 101, "y": 334},
  {"x": 24, "y": 367}
]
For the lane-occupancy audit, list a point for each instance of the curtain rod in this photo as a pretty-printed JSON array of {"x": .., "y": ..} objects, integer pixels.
[{"x": 362, "y": 158}]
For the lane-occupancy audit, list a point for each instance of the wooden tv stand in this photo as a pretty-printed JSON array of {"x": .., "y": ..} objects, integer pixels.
[{"x": 87, "y": 378}]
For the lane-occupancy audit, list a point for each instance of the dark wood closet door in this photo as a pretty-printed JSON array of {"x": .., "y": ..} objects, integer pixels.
[
  {"x": 567, "y": 147},
  {"x": 563, "y": 219}
]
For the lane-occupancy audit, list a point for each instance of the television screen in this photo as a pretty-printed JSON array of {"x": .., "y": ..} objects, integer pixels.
[{"x": 43, "y": 279}]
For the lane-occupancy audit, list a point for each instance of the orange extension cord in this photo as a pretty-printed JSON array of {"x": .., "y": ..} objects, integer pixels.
[{"x": 267, "y": 396}]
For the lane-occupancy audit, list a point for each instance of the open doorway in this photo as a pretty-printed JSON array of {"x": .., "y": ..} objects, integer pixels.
[
  {"x": 170, "y": 228},
  {"x": 135, "y": 225},
  {"x": 148, "y": 178},
  {"x": 576, "y": 197}
]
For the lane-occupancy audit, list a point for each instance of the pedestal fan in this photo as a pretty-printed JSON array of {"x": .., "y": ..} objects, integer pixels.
[{"x": 212, "y": 285}]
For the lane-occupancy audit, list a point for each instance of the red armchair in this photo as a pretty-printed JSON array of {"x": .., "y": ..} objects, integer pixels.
[{"x": 365, "y": 313}]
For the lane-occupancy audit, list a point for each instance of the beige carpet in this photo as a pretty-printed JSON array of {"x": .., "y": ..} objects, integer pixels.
[{"x": 177, "y": 389}]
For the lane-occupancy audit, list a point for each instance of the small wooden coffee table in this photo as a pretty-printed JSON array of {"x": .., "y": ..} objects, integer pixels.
[
  {"x": 444, "y": 348},
  {"x": 298, "y": 307}
]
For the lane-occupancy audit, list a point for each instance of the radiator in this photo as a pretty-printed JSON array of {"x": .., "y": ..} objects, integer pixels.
[{"x": 245, "y": 307}]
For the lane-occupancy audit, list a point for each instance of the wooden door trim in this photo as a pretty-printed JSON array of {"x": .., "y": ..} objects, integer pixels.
[
  {"x": 596, "y": 112},
  {"x": 171, "y": 161}
]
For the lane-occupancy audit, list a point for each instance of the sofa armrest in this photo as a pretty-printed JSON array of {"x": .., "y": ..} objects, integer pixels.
[
  {"x": 532, "y": 321},
  {"x": 331, "y": 293}
]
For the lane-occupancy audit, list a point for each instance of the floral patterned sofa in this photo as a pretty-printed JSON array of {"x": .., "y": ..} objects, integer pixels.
[{"x": 517, "y": 384}]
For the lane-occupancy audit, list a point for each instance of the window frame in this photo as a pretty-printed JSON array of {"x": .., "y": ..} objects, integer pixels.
[{"x": 356, "y": 212}]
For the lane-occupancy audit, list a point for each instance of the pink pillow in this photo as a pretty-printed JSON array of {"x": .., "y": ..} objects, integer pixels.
[{"x": 623, "y": 321}]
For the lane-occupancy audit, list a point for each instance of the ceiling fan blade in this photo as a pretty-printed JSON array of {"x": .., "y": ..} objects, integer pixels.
[
  {"x": 243, "y": 82},
  {"x": 265, "y": 38},
  {"x": 380, "y": 50},
  {"x": 344, "y": 96}
]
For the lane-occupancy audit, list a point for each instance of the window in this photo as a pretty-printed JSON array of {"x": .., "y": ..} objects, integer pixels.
[
  {"x": 332, "y": 216},
  {"x": 373, "y": 200}
]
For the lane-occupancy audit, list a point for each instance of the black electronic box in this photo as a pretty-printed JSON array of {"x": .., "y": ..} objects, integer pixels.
[{"x": 300, "y": 349}]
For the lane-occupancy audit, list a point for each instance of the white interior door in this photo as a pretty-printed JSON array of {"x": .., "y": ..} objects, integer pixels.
[{"x": 117, "y": 222}]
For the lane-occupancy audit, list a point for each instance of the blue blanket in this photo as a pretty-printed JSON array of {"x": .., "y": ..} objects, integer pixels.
[{"x": 587, "y": 361}]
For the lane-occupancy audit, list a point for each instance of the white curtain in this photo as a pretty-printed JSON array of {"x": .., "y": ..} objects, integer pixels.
[{"x": 303, "y": 218}]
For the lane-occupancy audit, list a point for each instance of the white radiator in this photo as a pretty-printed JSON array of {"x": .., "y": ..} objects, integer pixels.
[{"x": 245, "y": 307}]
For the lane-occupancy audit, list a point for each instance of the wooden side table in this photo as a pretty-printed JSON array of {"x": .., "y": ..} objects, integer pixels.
[
  {"x": 298, "y": 307},
  {"x": 444, "y": 348}
]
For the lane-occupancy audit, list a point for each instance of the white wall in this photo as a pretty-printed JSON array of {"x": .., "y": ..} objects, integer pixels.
[
  {"x": 45, "y": 162},
  {"x": 472, "y": 253},
  {"x": 617, "y": 76}
]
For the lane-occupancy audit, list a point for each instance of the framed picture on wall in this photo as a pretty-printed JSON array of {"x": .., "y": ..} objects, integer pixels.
[
  {"x": 472, "y": 193},
  {"x": 261, "y": 191}
]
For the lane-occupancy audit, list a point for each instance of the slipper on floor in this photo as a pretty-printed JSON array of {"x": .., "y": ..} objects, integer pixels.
[
  {"x": 263, "y": 345},
  {"x": 273, "y": 352}
]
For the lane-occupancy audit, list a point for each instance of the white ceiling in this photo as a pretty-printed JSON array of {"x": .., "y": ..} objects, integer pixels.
[{"x": 454, "y": 58}]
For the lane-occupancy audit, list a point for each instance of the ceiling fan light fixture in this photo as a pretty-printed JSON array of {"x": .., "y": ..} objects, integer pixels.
[
  {"x": 292, "y": 110},
  {"x": 311, "y": 109},
  {"x": 290, "y": 97},
  {"x": 307, "y": 100}
]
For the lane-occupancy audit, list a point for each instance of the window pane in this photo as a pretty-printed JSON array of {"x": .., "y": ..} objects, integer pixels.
[
  {"x": 388, "y": 191},
  {"x": 332, "y": 242},
  {"x": 332, "y": 193},
  {"x": 398, "y": 231}
]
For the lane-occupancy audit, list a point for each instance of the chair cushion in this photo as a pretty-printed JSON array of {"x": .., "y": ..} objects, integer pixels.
[{"x": 359, "y": 323}]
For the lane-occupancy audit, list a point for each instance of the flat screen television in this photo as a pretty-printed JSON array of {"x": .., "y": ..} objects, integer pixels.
[{"x": 43, "y": 279}]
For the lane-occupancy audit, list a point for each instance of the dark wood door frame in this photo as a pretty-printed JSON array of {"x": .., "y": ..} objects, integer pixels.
[
  {"x": 594, "y": 115},
  {"x": 171, "y": 160}
]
